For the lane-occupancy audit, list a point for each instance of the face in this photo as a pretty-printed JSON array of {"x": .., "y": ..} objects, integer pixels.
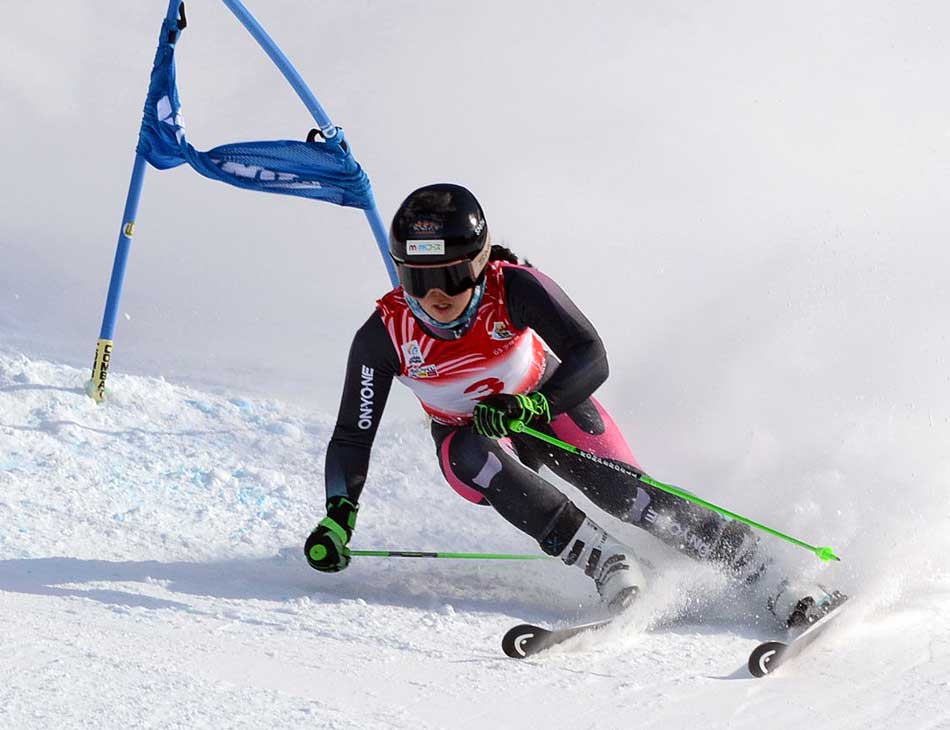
[{"x": 443, "y": 308}]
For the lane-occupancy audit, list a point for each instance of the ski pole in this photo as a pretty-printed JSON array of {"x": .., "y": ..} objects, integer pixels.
[
  {"x": 824, "y": 553},
  {"x": 452, "y": 556}
]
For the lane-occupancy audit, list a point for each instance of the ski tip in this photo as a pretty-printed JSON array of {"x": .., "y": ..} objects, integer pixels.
[
  {"x": 519, "y": 642},
  {"x": 766, "y": 657}
]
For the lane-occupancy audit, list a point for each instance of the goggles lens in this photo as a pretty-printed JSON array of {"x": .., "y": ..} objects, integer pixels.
[{"x": 453, "y": 279}]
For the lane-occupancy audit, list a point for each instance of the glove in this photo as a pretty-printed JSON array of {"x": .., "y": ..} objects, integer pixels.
[
  {"x": 326, "y": 548},
  {"x": 493, "y": 414}
]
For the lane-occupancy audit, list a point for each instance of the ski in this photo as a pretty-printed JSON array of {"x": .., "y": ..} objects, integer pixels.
[
  {"x": 770, "y": 655},
  {"x": 525, "y": 640}
]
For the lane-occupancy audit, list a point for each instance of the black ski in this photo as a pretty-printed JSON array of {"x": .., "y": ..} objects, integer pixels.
[
  {"x": 770, "y": 655},
  {"x": 525, "y": 640}
]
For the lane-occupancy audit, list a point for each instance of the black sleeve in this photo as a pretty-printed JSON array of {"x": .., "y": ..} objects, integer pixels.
[
  {"x": 370, "y": 369},
  {"x": 534, "y": 300}
]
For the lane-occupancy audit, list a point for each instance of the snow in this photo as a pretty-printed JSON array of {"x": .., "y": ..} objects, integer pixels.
[{"x": 152, "y": 577}]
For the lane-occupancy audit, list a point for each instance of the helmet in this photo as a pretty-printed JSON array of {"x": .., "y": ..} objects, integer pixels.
[{"x": 439, "y": 240}]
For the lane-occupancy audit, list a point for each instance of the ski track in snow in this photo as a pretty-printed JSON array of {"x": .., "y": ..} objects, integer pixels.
[{"x": 151, "y": 576}]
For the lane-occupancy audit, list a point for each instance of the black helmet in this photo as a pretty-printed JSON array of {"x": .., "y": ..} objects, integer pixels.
[{"x": 439, "y": 240}]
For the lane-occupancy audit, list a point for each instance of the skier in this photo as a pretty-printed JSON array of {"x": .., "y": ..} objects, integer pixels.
[{"x": 480, "y": 340}]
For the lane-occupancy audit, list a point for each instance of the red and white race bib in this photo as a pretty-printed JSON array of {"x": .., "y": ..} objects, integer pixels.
[{"x": 450, "y": 376}]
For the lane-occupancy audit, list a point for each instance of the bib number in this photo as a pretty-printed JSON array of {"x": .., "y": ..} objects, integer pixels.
[{"x": 484, "y": 388}]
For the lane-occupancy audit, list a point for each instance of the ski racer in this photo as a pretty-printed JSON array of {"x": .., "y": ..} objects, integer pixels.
[{"x": 481, "y": 339}]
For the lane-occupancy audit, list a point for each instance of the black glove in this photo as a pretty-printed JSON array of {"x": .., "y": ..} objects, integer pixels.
[
  {"x": 326, "y": 548},
  {"x": 493, "y": 414}
]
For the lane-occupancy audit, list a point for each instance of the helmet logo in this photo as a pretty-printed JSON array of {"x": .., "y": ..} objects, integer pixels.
[
  {"x": 424, "y": 226},
  {"x": 425, "y": 248},
  {"x": 480, "y": 227}
]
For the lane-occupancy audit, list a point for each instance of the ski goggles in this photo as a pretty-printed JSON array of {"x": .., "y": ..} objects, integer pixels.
[{"x": 452, "y": 278}]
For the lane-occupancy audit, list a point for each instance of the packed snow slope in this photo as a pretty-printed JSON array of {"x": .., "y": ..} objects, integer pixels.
[{"x": 151, "y": 576}]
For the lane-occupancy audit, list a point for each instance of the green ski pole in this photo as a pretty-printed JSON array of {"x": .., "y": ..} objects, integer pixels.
[
  {"x": 824, "y": 553},
  {"x": 450, "y": 556}
]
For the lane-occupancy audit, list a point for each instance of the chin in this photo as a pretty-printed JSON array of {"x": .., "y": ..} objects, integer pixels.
[{"x": 445, "y": 317}]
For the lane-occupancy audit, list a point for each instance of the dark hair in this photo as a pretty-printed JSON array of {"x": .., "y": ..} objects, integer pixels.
[{"x": 503, "y": 253}]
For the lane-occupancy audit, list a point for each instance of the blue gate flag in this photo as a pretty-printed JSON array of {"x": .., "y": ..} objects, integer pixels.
[{"x": 322, "y": 170}]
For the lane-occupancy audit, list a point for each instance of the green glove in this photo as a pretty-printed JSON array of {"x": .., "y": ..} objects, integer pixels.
[
  {"x": 493, "y": 414},
  {"x": 326, "y": 548}
]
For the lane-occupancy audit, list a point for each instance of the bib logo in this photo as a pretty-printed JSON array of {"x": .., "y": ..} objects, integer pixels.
[
  {"x": 412, "y": 353},
  {"x": 501, "y": 332},
  {"x": 366, "y": 399},
  {"x": 424, "y": 371}
]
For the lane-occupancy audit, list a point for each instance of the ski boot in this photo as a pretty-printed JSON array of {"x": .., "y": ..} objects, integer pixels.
[{"x": 610, "y": 563}]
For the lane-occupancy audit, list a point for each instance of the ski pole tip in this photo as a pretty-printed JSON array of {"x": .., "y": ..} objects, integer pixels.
[{"x": 826, "y": 553}]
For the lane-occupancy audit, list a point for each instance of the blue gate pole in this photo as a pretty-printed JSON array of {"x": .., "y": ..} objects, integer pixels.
[
  {"x": 327, "y": 128},
  {"x": 96, "y": 386}
]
